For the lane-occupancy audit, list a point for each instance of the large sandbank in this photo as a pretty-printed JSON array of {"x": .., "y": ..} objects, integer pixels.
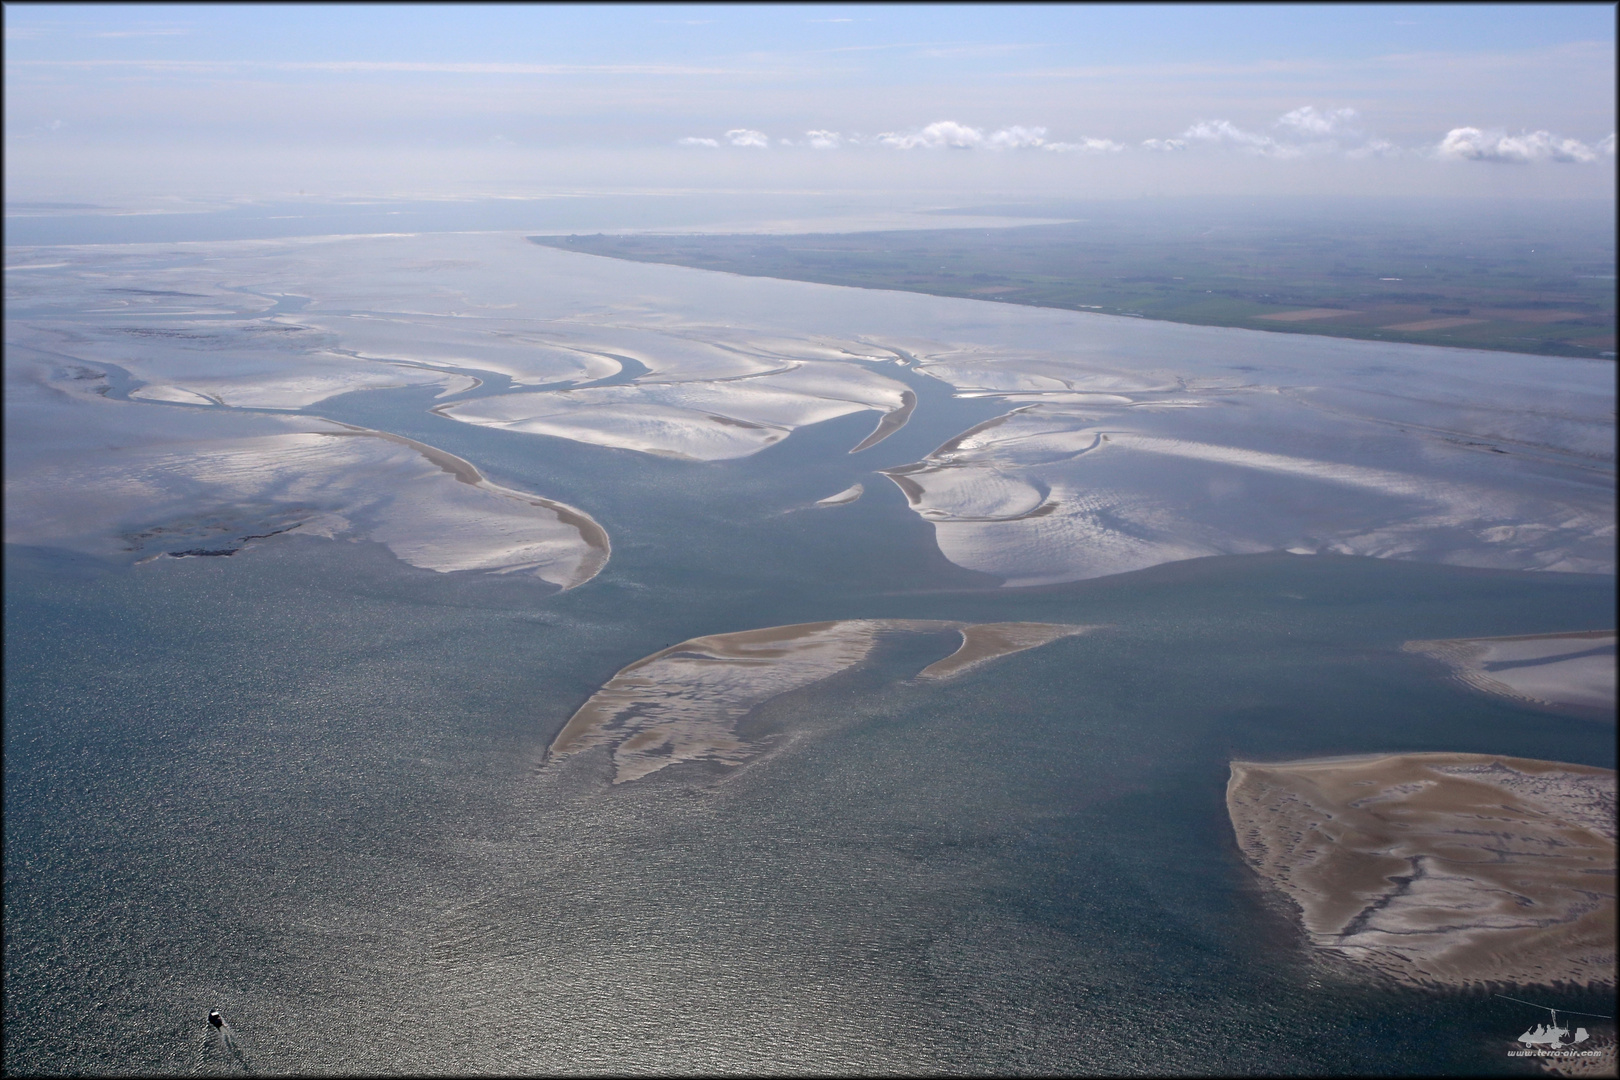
[
  {"x": 1440, "y": 869},
  {"x": 684, "y": 703}
]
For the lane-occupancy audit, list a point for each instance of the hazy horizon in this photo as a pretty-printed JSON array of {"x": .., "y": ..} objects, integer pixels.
[{"x": 133, "y": 103}]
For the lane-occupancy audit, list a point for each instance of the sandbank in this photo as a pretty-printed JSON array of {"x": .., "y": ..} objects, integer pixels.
[
  {"x": 889, "y": 422},
  {"x": 1572, "y": 672},
  {"x": 843, "y": 498},
  {"x": 1057, "y": 491},
  {"x": 698, "y": 419},
  {"x": 1440, "y": 869},
  {"x": 132, "y": 481},
  {"x": 1147, "y": 442},
  {"x": 590, "y": 532},
  {"x": 684, "y": 703},
  {"x": 984, "y": 642}
]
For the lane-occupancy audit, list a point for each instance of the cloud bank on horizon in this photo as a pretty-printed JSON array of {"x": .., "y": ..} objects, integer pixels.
[
  {"x": 1303, "y": 131},
  {"x": 254, "y": 100}
]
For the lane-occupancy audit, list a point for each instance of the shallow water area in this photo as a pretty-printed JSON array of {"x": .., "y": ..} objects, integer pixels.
[
  {"x": 306, "y": 789},
  {"x": 308, "y": 784}
]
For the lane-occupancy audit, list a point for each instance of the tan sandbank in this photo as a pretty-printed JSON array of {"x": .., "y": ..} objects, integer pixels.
[
  {"x": 684, "y": 703},
  {"x": 1450, "y": 869},
  {"x": 984, "y": 642}
]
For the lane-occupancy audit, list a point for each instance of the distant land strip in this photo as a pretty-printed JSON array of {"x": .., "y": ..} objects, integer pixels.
[{"x": 1557, "y": 299}]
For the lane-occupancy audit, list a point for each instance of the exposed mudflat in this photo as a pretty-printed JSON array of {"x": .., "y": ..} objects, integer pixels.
[{"x": 1124, "y": 444}]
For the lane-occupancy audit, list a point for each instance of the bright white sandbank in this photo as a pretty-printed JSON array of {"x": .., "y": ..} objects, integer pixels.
[
  {"x": 1574, "y": 669},
  {"x": 136, "y": 480}
]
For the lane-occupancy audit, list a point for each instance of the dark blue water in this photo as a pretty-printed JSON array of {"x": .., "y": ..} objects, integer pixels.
[{"x": 305, "y": 786}]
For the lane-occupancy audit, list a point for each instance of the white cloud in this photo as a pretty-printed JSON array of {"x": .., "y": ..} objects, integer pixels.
[
  {"x": 1227, "y": 133},
  {"x": 1309, "y": 120},
  {"x": 1084, "y": 146},
  {"x": 1017, "y": 137},
  {"x": 1304, "y": 131},
  {"x": 1473, "y": 144},
  {"x": 1373, "y": 148},
  {"x": 1606, "y": 144},
  {"x": 941, "y": 133},
  {"x": 949, "y": 133}
]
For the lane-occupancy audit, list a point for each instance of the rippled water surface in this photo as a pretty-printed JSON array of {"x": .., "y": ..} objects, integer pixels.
[{"x": 306, "y": 785}]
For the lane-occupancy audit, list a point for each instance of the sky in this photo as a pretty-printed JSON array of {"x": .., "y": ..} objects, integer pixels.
[{"x": 128, "y": 101}]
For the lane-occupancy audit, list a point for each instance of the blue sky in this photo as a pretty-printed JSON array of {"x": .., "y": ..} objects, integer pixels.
[{"x": 108, "y": 101}]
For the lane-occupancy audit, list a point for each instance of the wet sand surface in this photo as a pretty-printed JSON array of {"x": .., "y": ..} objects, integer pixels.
[
  {"x": 592, "y": 534},
  {"x": 699, "y": 419},
  {"x": 845, "y": 497},
  {"x": 133, "y": 480},
  {"x": 1455, "y": 870},
  {"x": 684, "y": 703},
  {"x": 1122, "y": 444},
  {"x": 1574, "y": 671},
  {"x": 984, "y": 642},
  {"x": 889, "y": 423}
]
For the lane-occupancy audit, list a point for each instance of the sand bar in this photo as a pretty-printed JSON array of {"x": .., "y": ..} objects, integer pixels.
[
  {"x": 1440, "y": 869},
  {"x": 1058, "y": 491},
  {"x": 984, "y": 642},
  {"x": 1573, "y": 671},
  {"x": 1155, "y": 441},
  {"x": 684, "y": 703},
  {"x": 843, "y": 498},
  {"x": 698, "y": 419},
  {"x": 133, "y": 481},
  {"x": 590, "y": 532},
  {"x": 889, "y": 422}
]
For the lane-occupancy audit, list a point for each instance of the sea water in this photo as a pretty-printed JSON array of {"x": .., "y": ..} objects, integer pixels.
[{"x": 307, "y": 785}]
